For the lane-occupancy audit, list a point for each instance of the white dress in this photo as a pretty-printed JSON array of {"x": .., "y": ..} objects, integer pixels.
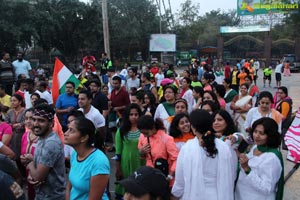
[
  {"x": 261, "y": 182},
  {"x": 163, "y": 115},
  {"x": 253, "y": 115},
  {"x": 201, "y": 177},
  {"x": 188, "y": 96}
]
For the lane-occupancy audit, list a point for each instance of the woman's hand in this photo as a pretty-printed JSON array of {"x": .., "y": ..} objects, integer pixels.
[
  {"x": 145, "y": 149},
  {"x": 233, "y": 139},
  {"x": 244, "y": 162},
  {"x": 26, "y": 159}
]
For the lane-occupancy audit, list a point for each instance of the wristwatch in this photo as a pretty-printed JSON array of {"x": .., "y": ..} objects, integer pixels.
[{"x": 170, "y": 177}]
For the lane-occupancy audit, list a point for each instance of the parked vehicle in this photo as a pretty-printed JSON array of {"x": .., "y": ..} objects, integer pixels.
[{"x": 293, "y": 60}]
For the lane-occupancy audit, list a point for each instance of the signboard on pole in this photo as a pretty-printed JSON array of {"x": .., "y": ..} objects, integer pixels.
[
  {"x": 256, "y": 7},
  {"x": 244, "y": 29},
  {"x": 162, "y": 43}
]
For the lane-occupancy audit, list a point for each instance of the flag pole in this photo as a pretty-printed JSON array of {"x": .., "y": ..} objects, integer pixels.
[{"x": 286, "y": 178}]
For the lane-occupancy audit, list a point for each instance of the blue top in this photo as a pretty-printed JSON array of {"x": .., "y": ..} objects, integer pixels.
[
  {"x": 65, "y": 101},
  {"x": 82, "y": 171},
  {"x": 22, "y": 67}
]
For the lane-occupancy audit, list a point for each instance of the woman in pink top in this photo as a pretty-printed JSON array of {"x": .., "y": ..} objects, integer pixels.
[
  {"x": 29, "y": 141},
  {"x": 5, "y": 132},
  {"x": 155, "y": 144},
  {"x": 220, "y": 91}
]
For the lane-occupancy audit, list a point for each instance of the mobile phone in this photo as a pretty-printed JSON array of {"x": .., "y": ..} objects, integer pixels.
[{"x": 243, "y": 146}]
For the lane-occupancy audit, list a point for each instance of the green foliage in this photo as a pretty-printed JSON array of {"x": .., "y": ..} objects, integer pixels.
[{"x": 71, "y": 26}]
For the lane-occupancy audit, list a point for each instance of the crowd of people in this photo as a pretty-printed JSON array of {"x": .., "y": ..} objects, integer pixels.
[{"x": 203, "y": 134}]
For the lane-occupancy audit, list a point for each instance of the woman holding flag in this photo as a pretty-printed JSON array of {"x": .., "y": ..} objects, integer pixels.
[{"x": 261, "y": 169}]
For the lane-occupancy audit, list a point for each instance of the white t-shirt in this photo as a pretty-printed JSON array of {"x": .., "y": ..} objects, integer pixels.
[
  {"x": 132, "y": 83},
  {"x": 45, "y": 95},
  {"x": 1, "y": 144},
  {"x": 124, "y": 73},
  {"x": 27, "y": 100},
  {"x": 278, "y": 68},
  {"x": 95, "y": 116},
  {"x": 40, "y": 71},
  {"x": 159, "y": 78}
]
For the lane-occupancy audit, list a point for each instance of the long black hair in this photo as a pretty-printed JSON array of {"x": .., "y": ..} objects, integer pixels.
[
  {"x": 202, "y": 121},
  {"x": 230, "y": 127},
  {"x": 86, "y": 127},
  {"x": 147, "y": 122},
  {"x": 126, "y": 124},
  {"x": 174, "y": 131},
  {"x": 270, "y": 129}
]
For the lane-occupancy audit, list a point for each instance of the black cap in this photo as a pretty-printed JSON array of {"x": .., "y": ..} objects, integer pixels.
[{"x": 146, "y": 180}]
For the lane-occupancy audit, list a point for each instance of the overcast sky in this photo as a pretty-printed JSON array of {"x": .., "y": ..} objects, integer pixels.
[{"x": 205, "y": 5}]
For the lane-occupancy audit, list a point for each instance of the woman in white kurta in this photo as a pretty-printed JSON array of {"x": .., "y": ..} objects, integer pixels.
[
  {"x": 166, "y": 110},
  {"x": 263, "y": 110},
  {"x": 204, "y": 169},
  {"x": 261, "y": 170},
  {"x": 187, "y": 93}
]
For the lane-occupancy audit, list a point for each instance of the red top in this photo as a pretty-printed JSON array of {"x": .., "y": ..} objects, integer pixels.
[
  {"x": 89, "y": 63},
  {"x": 154, "y": 70},
  {"x": 227, "y": 71},
  {"x": 120, "y": 98}
]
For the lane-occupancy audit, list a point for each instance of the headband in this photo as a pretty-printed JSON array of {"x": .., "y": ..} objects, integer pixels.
[{"x": 44, "y": 114}]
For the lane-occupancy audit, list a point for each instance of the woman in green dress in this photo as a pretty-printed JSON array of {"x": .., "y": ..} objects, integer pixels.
[{"x": 127, "y": 137}]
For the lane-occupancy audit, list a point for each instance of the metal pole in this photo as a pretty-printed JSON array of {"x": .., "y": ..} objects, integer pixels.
[
  {"x": 286, "y": 178},
  {"x": 105, "y": 28},
  {"x": 160, "y": 30}
]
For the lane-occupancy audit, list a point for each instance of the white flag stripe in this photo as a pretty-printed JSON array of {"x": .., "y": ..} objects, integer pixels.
[
  {"x": 63, "y": 76},
  {"x": 292, "y": 139}
]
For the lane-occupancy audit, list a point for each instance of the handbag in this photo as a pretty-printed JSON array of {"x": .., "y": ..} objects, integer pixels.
[
  {"x": 163, "y": 165},
  {"x": 160, "y": 163}
]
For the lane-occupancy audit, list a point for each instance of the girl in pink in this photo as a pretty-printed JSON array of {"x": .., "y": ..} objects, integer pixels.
[
  {"x": 5, "y": 132},
  {"x": 155, "y": 144},
  {"x": 29, "y": 141}
]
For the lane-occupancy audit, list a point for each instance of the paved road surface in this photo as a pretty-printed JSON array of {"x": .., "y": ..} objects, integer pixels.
[{"x": 292, "y": 187}]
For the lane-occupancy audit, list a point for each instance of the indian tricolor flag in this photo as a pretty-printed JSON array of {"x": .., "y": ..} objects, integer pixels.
[{"x": 61, "y": 75}]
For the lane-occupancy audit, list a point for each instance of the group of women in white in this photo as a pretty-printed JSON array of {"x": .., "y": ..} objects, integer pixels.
[{"x": 212, "y": 168}]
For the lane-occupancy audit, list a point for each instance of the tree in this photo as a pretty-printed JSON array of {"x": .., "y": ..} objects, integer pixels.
[
  {"x": 15, "y": 27},
  {"x": 131, "y": 22}
]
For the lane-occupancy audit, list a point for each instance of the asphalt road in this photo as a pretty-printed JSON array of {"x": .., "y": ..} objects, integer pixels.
[{"x": 292, "y": 187}]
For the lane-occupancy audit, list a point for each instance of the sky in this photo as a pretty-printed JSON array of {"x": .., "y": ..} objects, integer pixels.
[{"x": 205, "y": 5}]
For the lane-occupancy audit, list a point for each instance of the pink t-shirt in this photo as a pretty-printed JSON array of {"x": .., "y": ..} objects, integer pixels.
[
  {"x": 162, "y": 146},
  {"x": 222, "y": 103},
  {"x": 5, "y": 129}
]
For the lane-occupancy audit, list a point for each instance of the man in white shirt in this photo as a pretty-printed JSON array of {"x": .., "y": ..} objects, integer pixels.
[
  {"x": 278, "y": 70},
  {"x": 22, "y": 66},
  {"x": 124, "y": 71},
  {"x": 93, "y": 114},
  {"x": 133, "y": 81},
  {"x": 28, "y": 93},
  {"x": 44, "y": 93}
]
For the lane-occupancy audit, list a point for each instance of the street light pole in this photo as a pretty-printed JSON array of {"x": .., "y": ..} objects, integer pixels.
[{"x": 105, "y": 28}]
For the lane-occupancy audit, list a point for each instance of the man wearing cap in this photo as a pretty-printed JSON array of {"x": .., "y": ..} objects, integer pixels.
[
  {"x": 47, "y": 167},
  {"x": 146, "y": 183}
]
